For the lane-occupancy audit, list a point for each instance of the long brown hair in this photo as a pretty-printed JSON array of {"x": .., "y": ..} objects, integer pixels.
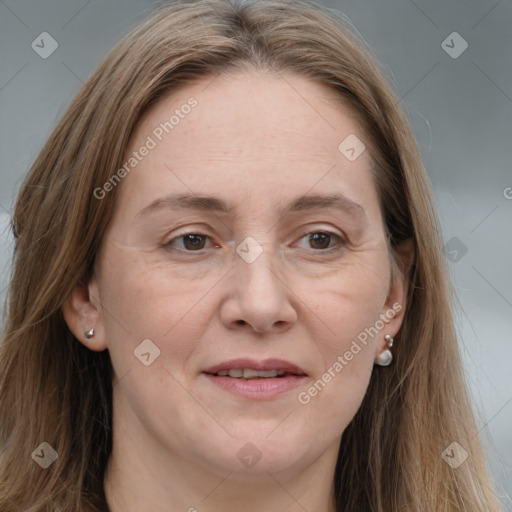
[{"x": 54, "y": 390}]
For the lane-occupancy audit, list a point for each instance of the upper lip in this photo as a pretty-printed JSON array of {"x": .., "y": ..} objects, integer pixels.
[{"x": 265, "y": 365}]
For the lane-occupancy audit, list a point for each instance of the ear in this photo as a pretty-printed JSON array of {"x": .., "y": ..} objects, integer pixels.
[
  {"x": 82, "y": 312},
  {"x": 395, "y": 306}
]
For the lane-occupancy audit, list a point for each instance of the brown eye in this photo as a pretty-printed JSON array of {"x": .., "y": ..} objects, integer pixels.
[
  {"x": 194, "y": 241},
  {"x": 190, "y": 242},
  {"x": 319, "y": 240},
  {"x": 322, "y": 240}
]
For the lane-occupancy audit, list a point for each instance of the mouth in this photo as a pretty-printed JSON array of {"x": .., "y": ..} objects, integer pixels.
[
  {"x": 250, "y": 373},
  {"x": 255, "y": 379}
]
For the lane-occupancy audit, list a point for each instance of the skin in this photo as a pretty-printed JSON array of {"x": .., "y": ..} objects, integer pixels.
[{"x": 257, "y": 141}]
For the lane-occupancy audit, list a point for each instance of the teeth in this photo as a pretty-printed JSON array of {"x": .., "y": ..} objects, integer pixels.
[{"x": 249, "y": 373}]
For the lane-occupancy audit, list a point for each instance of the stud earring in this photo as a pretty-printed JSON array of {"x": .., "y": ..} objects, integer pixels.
[
  {"x": 89, "y": 334},
  {"x": 385, "y": 357}
]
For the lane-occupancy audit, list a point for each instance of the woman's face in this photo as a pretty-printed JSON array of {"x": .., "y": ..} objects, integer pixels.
[{"x": 244, "y": 237}]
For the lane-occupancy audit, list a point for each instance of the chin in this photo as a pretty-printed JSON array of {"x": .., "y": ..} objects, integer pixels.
[{"x": 254, "y": 456}]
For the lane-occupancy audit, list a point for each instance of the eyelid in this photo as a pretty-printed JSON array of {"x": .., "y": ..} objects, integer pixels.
[{"x": 191, "y": 229}]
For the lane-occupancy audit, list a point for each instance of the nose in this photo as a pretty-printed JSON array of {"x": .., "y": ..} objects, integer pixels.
[{"x": 260, "y": 297}]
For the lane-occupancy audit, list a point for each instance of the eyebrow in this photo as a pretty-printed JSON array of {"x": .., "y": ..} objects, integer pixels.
[{"x": 214, "y": 204}]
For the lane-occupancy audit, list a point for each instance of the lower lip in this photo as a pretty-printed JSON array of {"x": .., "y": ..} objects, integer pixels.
[{"x": 257, "y": 389}]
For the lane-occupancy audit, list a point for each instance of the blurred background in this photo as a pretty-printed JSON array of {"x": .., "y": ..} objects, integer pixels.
[{"x": 450, "y": 62}]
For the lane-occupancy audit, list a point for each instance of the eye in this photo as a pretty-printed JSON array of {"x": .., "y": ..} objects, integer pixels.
[
  {"x": 321, "y": 240},
  {"x": 191, "y": 242}
]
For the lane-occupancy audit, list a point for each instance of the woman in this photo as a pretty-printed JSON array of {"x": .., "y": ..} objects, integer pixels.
[{"x": 229, "y": 288}]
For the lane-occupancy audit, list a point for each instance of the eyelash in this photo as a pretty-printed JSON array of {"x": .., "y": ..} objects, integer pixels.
[{"x": 340, "y": 241}]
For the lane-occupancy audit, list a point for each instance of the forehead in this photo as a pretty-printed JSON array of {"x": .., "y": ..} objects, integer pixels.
[
  {"x": 250, "y": 108},
  {"x": 247, "y": 133}
]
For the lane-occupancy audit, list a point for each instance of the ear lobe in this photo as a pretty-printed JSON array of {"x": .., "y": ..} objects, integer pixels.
[{"x": 83, "y": 313}]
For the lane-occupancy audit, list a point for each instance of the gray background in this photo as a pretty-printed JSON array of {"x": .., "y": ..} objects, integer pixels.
[{"x": 460, "y": 109}]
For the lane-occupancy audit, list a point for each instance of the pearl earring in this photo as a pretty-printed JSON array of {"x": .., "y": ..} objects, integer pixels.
[
  {"x": 89, "y": 334},
  {"x": 385, "y": 357}
]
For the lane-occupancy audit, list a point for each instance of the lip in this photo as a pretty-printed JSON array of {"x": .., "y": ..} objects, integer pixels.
[
  {"x": 268, "y": 364},
  {"x": 256, "y": 389}
]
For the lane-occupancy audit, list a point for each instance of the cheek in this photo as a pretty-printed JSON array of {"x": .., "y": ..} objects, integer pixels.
[
  {"x": 348, "y": 306},
  {"x": 350, "y": 300},
  {"x": 143, "y": 298}
]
